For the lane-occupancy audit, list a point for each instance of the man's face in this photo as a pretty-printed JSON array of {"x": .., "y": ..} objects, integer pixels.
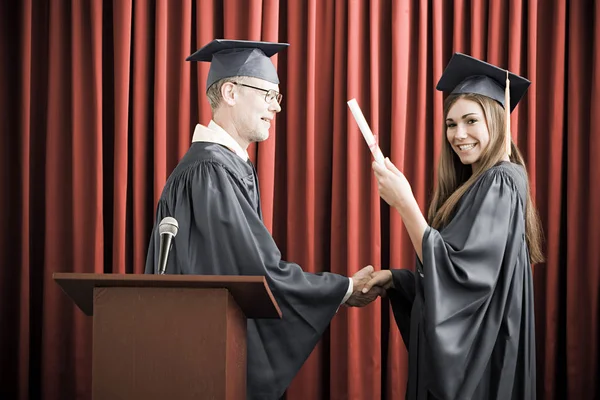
[{"x": 253, "y": 115}]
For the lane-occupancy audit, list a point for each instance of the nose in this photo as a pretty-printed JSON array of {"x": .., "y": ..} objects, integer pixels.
[
  {"x": 461, "y": 132},
  {"x": 275, "y": 106}
]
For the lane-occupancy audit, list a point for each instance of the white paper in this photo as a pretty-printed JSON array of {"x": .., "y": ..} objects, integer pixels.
[{"x": 366, "y": 131}]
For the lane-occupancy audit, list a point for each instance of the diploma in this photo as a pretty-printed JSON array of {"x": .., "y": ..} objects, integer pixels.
[{"x": 366, "y": 131}]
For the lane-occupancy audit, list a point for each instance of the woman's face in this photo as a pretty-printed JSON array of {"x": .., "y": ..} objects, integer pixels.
[{"x": 467, "y": 131}]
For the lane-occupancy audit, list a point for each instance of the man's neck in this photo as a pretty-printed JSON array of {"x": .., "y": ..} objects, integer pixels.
[
  {"x": 213, "y": 133},
  {"x": 229, "y": 127}
]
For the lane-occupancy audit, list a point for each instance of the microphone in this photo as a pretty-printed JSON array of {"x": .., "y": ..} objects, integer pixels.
[{"x": 168, "y": 229}]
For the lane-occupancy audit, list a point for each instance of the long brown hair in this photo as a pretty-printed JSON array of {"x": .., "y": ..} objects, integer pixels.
[{"x": 455, "y": 178}]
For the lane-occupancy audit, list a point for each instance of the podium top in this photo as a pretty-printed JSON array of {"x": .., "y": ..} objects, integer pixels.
[{"x": 251, "y": 293}]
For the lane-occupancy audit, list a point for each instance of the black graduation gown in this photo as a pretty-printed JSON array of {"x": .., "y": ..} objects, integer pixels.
[
  {"x": 214, "y": 196},
  {"x": 470, "y": 304}
]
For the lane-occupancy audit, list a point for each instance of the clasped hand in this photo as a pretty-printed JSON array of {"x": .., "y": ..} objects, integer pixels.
[{"x": 368, "y": 284}]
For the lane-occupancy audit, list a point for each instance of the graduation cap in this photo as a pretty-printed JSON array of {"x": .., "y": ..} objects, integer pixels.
[
  {"x": 465, "y": 74},
  {"x": 239, "y": 58}
]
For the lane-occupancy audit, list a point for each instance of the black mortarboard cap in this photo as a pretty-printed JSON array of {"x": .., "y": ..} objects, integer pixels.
[
  {"x": 239, "y": 58},
  {"x": 465, "y": 74}
]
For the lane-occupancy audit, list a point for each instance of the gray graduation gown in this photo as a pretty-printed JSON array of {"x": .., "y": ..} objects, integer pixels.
[
  {"x": 466, "y": 315},
  {"x": 214, "y": 196}
]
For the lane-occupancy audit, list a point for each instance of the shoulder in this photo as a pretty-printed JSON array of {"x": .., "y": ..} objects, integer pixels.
[
  {"x": 207, "y": 164},
  {"x": 508, "y": 175},
  {"x": 212, "y": 158}
]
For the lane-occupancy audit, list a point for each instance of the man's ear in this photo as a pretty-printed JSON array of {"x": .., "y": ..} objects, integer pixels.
[{"x": 229, "y": 93}]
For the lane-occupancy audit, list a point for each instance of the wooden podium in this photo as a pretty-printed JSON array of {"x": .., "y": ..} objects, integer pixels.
[{"x": 169, "y": 336}]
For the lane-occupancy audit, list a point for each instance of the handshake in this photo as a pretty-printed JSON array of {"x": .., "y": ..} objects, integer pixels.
[{"x": 368, "y": 284}]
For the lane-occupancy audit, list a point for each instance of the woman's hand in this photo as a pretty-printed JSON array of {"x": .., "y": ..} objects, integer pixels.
[
  {"x": 393, "y": 185},
  {"x": 396, "y": 191},
  {"x": 381, "y": 279}
]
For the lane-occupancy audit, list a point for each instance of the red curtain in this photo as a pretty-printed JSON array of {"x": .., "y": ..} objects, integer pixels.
[{"x": 97, "y": 105}]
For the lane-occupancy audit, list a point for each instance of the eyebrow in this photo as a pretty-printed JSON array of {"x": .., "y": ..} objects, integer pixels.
[{"x": 463, "y": 117}]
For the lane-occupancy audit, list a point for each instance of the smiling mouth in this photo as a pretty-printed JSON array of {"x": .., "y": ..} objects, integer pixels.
[{"x": 465, "y": 147}]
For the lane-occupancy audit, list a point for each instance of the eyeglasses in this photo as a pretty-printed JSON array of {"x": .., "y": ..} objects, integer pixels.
[{"x": 270, "y": 94}]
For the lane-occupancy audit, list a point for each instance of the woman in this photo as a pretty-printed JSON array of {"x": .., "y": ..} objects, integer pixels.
[{"x": 466, "y": 316}]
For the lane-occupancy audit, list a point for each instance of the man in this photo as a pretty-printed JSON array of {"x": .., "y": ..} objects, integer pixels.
[{"x": 213, "y": 194}]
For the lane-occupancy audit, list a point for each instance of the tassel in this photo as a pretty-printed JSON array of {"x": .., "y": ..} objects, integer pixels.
[{"x": 507, "y": 111}]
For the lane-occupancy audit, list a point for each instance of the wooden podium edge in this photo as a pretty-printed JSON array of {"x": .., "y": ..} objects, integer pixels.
[{"x": 251, "y": 293}]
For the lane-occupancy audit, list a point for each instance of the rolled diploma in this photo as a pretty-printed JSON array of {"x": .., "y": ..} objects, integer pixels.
[{"x": 366, "y": 131}]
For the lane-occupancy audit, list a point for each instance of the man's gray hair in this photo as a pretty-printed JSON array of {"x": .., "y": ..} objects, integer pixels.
[{"x": 214, "y": 91}]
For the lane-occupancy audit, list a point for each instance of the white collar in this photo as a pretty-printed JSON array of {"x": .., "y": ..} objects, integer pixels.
[{"x": 213, "y": 133}]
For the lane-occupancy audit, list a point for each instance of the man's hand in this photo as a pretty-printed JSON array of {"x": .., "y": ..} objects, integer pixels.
[
  {"x": 360, "y": 299},
  {"x": 381, "y": 279},
  {"x": 360, "y": 278}
]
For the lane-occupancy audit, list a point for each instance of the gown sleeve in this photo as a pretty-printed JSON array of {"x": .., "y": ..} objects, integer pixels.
[{"x": 401, "y": 297}]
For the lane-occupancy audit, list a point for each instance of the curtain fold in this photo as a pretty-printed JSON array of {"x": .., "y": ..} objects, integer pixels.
[
  {"x": 582, "y": 216},
  {"x": 97, "y": 106}
]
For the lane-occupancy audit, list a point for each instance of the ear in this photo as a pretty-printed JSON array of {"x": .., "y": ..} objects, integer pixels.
[{"x": 229, "y": 93}]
